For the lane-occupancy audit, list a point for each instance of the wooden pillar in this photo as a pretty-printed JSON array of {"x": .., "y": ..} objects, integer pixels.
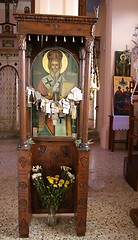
[
  {"x": 7, "y": 11},
  {"x": 82, "y": 7},
  {"x": 32, "y": 6},
  {"x": 28, "y": 83},
  {"x": 86, "y": 97},
  {"x": 22, "y": 90},
  {"x": 24, "y": 150},
  {"x": 82, "y": 191},
  {"x": 24, "y": 191},
  {"x": 82, "y": 55}
]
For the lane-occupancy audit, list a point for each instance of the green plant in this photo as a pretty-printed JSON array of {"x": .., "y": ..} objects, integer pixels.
[{"x": 51, "y": 188}]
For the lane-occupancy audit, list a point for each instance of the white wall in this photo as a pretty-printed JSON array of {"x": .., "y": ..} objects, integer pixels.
[
  {"x": 120, "y": 17},
  {"x": 22, "y": 5},
  {"x": 61, "y": 7},
  {"x": 128, "y": 20}
]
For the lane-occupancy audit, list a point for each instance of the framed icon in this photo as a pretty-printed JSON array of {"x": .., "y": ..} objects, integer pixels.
[
  {"x": 7, "y": 28},
  {"x": 122, "y": 64},
  {"x": 122, "y": 95}
]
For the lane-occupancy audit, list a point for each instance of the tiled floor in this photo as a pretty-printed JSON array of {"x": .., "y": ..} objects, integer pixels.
[{"x": 109, "y": 202}]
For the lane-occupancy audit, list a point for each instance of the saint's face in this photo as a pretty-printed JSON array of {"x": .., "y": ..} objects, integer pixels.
[{"x": 54, "y": 66}]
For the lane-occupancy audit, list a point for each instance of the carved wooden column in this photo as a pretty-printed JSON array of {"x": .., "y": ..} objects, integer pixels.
[
  {"x": 83, "y": 151},
  {"x": 82, "y": 55},
  {"x": 82, "y": 7},
  {"x": 32, "y": 6},
  {"x": 24, "y": 208},
  {"x": 28, "y": 83},
  {"x": 82, "y": 191},
  {"x": 24, "y": 150},
  {"x": 89, "y": 48},
  {"x": 22, "y": 90}
]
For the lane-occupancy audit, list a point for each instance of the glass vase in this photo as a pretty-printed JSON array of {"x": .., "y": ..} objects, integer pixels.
[{"x": 51, "y": 218}]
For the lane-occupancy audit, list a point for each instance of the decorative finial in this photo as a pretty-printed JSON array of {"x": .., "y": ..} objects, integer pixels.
[{"x": 96, "y": 11}]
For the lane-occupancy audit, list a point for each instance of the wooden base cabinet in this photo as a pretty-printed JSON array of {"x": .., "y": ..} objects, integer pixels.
[{"x": 51, "y": 155}]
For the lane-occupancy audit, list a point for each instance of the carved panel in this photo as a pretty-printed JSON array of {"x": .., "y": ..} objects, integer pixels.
[
  {"x": 22, "y": 161},
  {"x": 54, "y": 25},
  {"x": 65, "y": 150},
  {"x": 41, "y": 149},
  {"x": 82, "y": 204},
  {"x": 81, "y": 222},
  {"x": 23, "y": 185},
  {"x": 84, "y": 162},
  {"x": 83, "y": 186},
  {"x": 23, "y": 202},
  {"x": 24, "y": 224}
]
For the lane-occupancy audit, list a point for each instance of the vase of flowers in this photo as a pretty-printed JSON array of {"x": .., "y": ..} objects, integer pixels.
[
  {"x": 51, "y": 188},
  {"x": 51, "y": 218}
]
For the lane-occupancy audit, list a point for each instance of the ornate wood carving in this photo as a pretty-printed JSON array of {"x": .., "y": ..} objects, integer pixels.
[
  {"x": 41, "y": 149},
  {"x": 24, "y": 225},
  {"x": 54, "y": 25},
  {"x": 65, "y": 150},
  {"x": 55, "y": 18},
  {"x": 23, "y": 202},
  {"x": 22, "y": 42},
  {"x": 82, "y": 203},
  {"x": 82, "y": 191},
  {"x": 22, "y": 161},
  {"x": 89, "y": 44},
  {"x": 23, "y": 185},
  {"x": 82, "y": 54},
  {"x": 84, "y": 163},
  {"x": 24, "y": 166}
]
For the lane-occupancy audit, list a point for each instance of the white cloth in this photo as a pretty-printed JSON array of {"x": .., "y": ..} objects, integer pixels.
[{"x": 120, "y": 122}]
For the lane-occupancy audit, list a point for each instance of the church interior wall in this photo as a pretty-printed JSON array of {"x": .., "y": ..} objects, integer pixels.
[{"x": 120, "y": 26}]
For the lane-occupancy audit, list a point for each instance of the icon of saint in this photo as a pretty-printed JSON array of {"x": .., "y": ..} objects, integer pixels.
[{"x": 51, "y": 85}]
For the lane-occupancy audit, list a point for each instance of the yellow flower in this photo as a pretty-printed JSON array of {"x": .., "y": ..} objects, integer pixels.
[
  {"x": 60, "y": 184},
  {"x": 61, "y": 181},
  {"x": 51, "y": 190},
  {"x": 67, "y": 182},
  {"x": 50, "y": 179},
  {"x": 56, "y": 178}
]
